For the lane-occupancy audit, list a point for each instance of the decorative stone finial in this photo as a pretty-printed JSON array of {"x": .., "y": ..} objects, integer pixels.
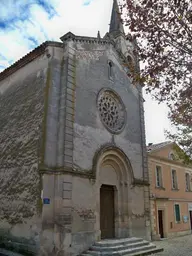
[{"x": 98, "y": 35}]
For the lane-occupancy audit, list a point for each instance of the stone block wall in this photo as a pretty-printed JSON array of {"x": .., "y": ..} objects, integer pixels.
[
  {"x": 89, "y": 133},
  {"x": 21, "y": 117}
]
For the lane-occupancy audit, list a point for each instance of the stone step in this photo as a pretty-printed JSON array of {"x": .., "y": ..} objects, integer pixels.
[
  {"x": 119, "y": 247},
  {"x": 129, "y": 251},
  {"x": 114, "y": 242},
  {"x": 126, "y": 246}
]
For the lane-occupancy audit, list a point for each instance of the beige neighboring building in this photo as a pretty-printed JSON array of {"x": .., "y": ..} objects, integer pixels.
[{"x": 170, "y": 192}]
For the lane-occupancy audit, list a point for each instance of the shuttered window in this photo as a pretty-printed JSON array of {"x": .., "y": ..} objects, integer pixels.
[
  {"x": 158, "y": 176},
  {"x": 177, "y": 213},
  {"x": 174, "y": 179},
  {"x": 187, "y": 180}
]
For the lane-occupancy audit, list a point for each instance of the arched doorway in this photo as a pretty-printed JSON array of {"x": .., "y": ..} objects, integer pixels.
[{"x": 113, "y": 181}]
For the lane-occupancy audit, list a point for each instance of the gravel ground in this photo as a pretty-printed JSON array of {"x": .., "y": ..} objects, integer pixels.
[{"x": 180, "y": 246}]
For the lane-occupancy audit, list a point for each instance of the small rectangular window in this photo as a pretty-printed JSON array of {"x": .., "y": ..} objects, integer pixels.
[
  {"x": 158, "y": 176},
  {"x": 110, "y": 69},
  {"x": 177, "y": 213},
  {"x": 174, "y": 179},
  {"x": 187, "y": 181}
]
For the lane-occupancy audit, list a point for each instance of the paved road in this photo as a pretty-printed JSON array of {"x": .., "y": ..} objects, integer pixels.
[{"x": 180, "y": 246}]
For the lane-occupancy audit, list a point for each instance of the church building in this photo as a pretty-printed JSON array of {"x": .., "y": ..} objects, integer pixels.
[{"x": 73, "y": 162}]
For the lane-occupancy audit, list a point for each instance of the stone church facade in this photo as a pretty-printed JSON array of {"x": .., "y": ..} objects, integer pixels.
[{"x": 73, "y": 164}]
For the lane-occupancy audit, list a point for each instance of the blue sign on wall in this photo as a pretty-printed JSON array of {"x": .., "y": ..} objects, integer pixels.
[{"x": 46, "y": 200}]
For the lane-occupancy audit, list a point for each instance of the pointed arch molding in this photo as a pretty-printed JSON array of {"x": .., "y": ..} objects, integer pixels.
[
  {"x": 106, "y": 153},
  {"x": 111, "y": 153}
]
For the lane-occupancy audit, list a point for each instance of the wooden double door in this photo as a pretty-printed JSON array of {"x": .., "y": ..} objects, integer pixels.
[{"x": 107, "y": 223}]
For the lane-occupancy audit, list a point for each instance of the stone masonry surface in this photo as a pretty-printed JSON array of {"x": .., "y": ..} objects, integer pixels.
[
  {"x": 92, "y": 76},
  {"x": 22, "y": 105},
  {"x": 20, "y": 120},
  {"x": 4, "y": 252},
  {"x": 180, "y": 246}
]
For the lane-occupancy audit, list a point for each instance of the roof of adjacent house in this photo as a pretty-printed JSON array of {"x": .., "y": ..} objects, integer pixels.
[{"x": 152, "y": 147}]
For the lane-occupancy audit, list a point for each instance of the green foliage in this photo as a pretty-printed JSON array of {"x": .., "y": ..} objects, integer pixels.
[
  {"x": 182, "y": 155},
  {"x": 163, "y": 29}
]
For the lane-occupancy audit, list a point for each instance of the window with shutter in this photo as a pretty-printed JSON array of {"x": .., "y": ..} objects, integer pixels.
[
  {"x": 174, "y": 179},
  {"x": 187, "y": 180},
  {"x": 158, "y": 176},
  {"x": 177, "y": 213}
]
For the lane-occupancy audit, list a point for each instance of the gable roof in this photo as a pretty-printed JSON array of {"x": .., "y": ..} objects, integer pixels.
[
  {"x": 28, "y": 58},
  {"x": 154, "y": 147}
]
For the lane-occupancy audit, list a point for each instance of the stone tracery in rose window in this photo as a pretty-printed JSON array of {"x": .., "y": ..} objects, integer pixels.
[{"x": 111, "y": 110}]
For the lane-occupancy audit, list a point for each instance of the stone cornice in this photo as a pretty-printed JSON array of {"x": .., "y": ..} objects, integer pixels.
[
  {"x": 86, "y": 39},
  {"x": 140, "y": 182},
  {"x": 170, "y": 199},
  {"x": 159, "y": 198},
  {"x": 169, "y": 161},
  {"x": 66, "y": 170},
  {"x": 88, "y": 174}
]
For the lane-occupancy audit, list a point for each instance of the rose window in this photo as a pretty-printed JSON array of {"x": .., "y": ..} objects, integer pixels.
[{"x": 111, "y": 110}]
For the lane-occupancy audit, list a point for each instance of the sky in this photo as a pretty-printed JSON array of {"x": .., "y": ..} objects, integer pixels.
[{"x": 24, "y": 24}]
